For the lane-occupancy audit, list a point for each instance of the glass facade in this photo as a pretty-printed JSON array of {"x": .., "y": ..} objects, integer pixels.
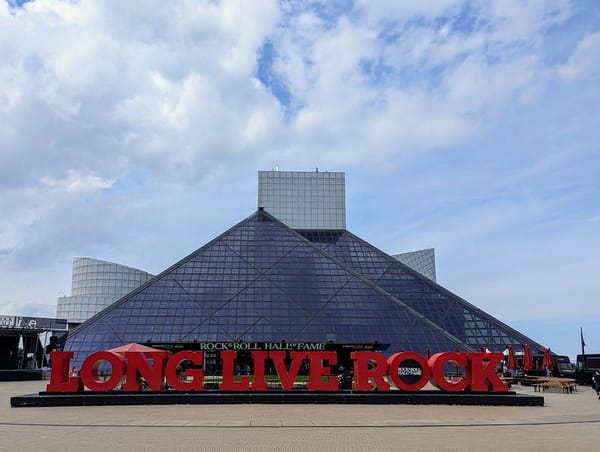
[
  {"x": 304, "y": 200},
  {"x": 95, "y": 285},
  {"x": 472, "y": 326},
  {"x": 262, "y": 281},
  {"x": 422, "y": 261}
]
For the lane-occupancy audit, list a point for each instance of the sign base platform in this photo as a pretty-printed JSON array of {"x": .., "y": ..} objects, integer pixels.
[
  {"x": 20, "y": 375},
  {"x": 44, "y": 399}
]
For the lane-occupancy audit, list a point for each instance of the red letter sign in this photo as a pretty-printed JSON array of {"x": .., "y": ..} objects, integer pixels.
[
  {"x": 89, "y": 371},
  {"x": 259, "y": 359},
  {"x": 408, "y": 371},
  {"x": 197, "y": 383},
  {"x": 437, "y": 363},
  {"x": 411, "y": 376},
  {"x": 481, "y": 372},
  {"x": 138, "y": 363},
  {"x": 362, "y": 373},
  {"x": 318, "y": 369},
  {"x": 59, "y": 375},
  {"x": 228, "y": 383},
  {"x": 286, "y": 377}
]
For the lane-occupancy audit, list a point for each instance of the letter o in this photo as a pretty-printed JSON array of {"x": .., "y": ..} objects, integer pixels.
[
  {"x": 89, "y": 371},
  {"x": 394, "y": 363}
]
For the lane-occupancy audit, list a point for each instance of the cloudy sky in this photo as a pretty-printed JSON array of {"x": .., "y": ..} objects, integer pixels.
[{"x": 133, "y": 132}]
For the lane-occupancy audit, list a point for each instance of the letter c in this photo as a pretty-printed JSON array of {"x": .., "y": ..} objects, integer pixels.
[{"x": 437, "y": 363}]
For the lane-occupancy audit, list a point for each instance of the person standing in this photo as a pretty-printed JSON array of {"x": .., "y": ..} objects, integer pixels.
[{"x": 596, "y": 380}]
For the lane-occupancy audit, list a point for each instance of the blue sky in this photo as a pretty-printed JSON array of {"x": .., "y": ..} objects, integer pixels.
[{"x": 134, "y": 134}]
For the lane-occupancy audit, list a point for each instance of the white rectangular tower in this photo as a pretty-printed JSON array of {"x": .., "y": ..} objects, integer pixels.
[{"x": 304, "y": 200}]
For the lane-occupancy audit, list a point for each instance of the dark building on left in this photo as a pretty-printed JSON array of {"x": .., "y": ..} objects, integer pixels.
[{"x": 24, "y": 343}]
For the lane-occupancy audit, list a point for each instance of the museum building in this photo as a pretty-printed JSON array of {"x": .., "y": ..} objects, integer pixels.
[{"x": 291, "y": 274}]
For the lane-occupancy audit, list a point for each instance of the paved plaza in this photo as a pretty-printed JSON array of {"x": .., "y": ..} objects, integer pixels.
[{"x": 567, "y": 422}]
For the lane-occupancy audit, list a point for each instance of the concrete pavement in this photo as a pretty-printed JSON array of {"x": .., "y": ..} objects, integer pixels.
[{"x": 566, "y": 422}]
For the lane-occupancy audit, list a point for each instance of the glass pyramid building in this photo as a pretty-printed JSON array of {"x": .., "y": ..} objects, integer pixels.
[{"x": 262, "y": 281}]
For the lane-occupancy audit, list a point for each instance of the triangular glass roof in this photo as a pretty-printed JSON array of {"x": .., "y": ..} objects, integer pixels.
[
  {"x": 470, "y": 324},
  {"x": 261, "y": 281}
]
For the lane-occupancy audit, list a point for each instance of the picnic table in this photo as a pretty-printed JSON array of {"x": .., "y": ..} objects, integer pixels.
[
  {"x": 568, "y": 385},
  {"x": 509, "y": 380}
]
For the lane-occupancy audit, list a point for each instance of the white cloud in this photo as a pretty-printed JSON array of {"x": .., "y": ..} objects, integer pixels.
[
  {"x": 132, "y": 79},
  {"x": 95, "y": 91},
  {"x": 77, "y": 183},
  {"x": 382, "y": 10},
  {"x": 585, "y": 60},
  {"x": 362, "y": 93}
]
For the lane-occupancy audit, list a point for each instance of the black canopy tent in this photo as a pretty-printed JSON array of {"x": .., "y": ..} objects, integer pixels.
[{"x": 20, "y": 344}]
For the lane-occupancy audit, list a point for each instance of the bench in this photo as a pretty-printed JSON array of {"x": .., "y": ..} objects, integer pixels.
[
  {"x": 568, "y": 386},
  {"x": 509, "y": 381}
]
